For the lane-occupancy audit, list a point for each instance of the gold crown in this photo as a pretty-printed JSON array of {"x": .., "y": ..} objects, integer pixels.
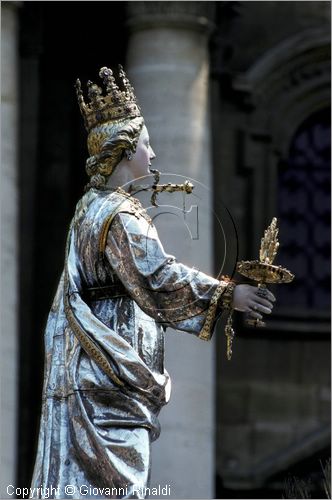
[{"x": 116, "y": 104}]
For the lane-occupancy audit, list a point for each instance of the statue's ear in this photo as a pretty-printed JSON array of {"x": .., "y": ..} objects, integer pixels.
[{"x": 129, "y": 154}]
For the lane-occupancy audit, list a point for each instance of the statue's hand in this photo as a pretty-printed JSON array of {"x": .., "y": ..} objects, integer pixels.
[{"x": 247, "y": 298}]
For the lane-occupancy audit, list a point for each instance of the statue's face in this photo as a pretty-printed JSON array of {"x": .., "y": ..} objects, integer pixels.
[{"x": 141, "y": 160}]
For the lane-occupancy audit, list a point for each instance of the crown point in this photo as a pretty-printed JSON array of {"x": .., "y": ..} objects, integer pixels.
[
  {"x": 78, "y": 88},
  {"x": 109, "y": 81},
  {"x": 79, "y": 94},
  {"x": 105, "y": 72}
]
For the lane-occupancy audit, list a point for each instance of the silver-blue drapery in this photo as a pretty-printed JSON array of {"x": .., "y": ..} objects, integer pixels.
[{"x": 96, "y": 428}]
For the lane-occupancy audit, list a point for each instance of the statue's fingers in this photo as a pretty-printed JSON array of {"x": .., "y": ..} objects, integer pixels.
[
  {"x": 264, "y": 309},
  {"x": 263, "y": 302},
  {"x": 270, "y": 296},
  {"x": 265, "y": 294},
  {"x": 255, "y": 315}
]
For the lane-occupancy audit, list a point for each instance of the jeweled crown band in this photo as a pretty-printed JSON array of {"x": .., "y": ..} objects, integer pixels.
[{"x": 116, "y": 104}]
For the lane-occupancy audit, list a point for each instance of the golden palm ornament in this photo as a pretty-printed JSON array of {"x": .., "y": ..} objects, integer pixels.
[{"x": 263, "y": 270}]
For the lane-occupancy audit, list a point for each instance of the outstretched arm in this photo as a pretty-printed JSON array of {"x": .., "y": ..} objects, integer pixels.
[{"x": 169, "y": 291}]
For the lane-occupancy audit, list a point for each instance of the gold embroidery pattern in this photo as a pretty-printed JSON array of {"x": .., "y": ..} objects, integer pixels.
[
  {"x": 206, "y": 332},
  {"x": 135, "y": 209},
  {"x": 89, "y": 346}
]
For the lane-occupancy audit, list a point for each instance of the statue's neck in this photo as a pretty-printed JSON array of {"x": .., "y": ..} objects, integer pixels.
[{"x": 120, "y": 177}]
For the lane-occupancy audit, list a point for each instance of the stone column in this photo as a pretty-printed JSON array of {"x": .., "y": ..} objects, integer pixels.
[
  {"x": 168, "y": 64},
  {"x": 9, "y": 247}
]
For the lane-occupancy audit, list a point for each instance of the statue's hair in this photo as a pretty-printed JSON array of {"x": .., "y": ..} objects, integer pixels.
[{"x": 107, "y": 144}]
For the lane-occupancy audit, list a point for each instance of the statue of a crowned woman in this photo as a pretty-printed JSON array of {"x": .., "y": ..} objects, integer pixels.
[{"x": 105, "y": 380}]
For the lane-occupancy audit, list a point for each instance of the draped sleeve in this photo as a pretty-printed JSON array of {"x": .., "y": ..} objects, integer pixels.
[{"x": 170, "y": 292}]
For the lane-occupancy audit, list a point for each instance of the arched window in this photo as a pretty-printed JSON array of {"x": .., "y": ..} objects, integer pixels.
[{"x": 304, "y": 215}]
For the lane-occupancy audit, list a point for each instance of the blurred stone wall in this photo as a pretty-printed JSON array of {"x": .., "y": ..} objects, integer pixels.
[
  {"x": 270, "y": 71},
  {"x": 9, "y": 243}
]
